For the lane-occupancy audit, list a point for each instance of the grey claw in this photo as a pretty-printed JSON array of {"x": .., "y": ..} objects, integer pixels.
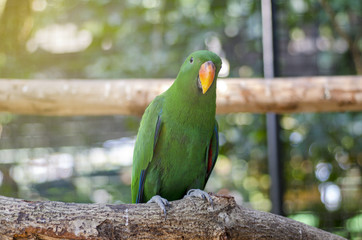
[
  {"x": 161, "y": 202},
  {"x": 201, "y": 194}
]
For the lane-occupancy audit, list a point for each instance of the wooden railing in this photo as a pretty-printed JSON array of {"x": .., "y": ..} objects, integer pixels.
[{"x": 131, "y": 96}]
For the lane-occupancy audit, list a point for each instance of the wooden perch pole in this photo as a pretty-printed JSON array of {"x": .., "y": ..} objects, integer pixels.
[
  {"x": 190, "y": 218},
  {"x": 131, "y": 97}
]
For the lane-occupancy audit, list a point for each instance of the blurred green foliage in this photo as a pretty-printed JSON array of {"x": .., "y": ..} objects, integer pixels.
[{"x": 51, "y": 39}]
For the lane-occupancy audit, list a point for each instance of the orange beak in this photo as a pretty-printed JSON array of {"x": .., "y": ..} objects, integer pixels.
[{"x": 206, "y": 75}]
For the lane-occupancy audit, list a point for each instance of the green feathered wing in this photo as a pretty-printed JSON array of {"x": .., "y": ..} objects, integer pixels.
[{"x": 144, "y": 148}]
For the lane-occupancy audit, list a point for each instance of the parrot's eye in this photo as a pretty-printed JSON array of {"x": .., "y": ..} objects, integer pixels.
[{"x": 191, "y": 60}]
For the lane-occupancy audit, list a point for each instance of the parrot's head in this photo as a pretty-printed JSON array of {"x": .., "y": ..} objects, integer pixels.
[{"x": 199, "y": 72}]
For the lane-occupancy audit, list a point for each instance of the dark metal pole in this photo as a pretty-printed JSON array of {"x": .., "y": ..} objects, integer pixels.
[{"x": 273, "y": 128}]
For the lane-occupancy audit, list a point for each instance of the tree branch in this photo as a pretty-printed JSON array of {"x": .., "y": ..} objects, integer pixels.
[
  {"x": 131, "y": 97},
  {"x": 186, "y": 219}
]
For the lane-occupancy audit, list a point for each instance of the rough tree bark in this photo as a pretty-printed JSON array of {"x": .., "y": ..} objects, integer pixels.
[
  {"x": 187, "y": 219},
  {"x": 131, "y": 97}
]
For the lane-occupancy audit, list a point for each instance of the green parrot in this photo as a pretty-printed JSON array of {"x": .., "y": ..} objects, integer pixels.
[{"x": 177, "y": 142}]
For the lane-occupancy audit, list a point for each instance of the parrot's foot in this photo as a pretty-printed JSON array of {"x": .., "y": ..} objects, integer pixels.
[
  {"x": 161, "y": 202},
  {"x": 201, "y": 194}
]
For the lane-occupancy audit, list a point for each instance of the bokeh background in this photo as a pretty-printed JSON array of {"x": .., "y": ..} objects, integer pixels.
[{"x": 89, "y": 159}]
